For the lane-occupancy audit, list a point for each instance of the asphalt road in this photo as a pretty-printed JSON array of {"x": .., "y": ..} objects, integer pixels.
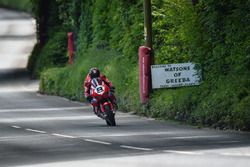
[{"x": 39, "y": 130}]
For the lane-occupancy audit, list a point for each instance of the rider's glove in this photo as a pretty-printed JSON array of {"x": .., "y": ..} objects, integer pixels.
[
  {"x": 93, "y": 101},
  {"x": 89, "y": 98}
]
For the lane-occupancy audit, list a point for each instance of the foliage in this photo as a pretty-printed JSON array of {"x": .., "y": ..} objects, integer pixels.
[
  {"x": 53, "y": 54},
  {"x": 175, "y": 21},
  {"x": 51, "y": 37}
]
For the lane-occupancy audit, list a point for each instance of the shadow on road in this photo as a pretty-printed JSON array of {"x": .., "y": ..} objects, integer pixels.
[
  {"x": 9, "y": 15},
  {"x": 17, "y": 37},
  {"x": 12, "y": 76}
]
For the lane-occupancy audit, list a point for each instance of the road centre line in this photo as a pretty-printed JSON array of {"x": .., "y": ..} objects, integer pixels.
[
  {"x": 37, "y": 131},
  {"x": 44, "y": 109},
  {"x": 136, "y": 148},
  {"x": 87, "y": 140},
  {"x": 97, "y": 141},
  {"x": 64, "y": 136}
]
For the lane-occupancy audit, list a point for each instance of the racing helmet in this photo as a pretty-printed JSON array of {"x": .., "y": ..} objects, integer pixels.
[{"x": 94, "y": 73}]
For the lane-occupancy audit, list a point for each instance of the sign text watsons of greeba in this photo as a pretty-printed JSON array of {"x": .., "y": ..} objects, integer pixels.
[{"x": 175, "y": 75}]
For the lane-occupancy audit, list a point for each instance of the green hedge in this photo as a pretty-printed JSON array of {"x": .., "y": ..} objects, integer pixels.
[{"x": 212, "y": 33}]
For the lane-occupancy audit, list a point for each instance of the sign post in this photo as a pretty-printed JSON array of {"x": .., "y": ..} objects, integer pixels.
[
  {"x": 144, "y": 73},
  {"x": 146, "y": 57},
  {"x": 71, "y": 47}
]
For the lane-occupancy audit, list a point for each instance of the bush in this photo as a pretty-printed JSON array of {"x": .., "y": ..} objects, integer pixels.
[{"x": 241, "y": 114}]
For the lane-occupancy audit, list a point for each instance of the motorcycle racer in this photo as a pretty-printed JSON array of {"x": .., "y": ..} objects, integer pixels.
[{"x": 95, "y": 73}]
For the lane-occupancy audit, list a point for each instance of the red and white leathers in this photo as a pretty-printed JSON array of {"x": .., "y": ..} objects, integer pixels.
[{"x": 87, "y": 87}]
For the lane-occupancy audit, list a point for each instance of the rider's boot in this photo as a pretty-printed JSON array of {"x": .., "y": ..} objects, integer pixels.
[
  {"x": 96, "y": 110},
  {"x": 115, "y": 104}
]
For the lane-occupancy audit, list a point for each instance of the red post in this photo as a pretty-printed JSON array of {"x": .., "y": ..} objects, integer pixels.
[
  {"x": 71, "y": 47},
  {"x": 144, "y": 73}
]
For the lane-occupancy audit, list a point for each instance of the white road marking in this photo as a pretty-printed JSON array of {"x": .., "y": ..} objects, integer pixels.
[
  {"x": 44, "y": 109},
  {"x": 37, "y": 131},
  {"x": 136, "y": 148},
  {"x": 16, "y": 127},
  {"x": 183, "y": 152},
  {"x": 97, "y": 141},
  {"x": 64, "y": 136}
]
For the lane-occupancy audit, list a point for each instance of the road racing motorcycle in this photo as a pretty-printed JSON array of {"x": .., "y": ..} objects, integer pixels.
[{"x": 101, "y": 102}]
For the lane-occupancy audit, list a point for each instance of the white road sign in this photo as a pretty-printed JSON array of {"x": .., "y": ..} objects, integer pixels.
[{"x": 175, "y": 75}]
